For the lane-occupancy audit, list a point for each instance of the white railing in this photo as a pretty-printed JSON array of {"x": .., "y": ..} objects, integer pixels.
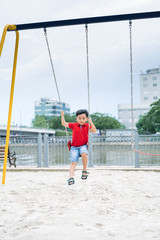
[{"x": 105, "y": 150}]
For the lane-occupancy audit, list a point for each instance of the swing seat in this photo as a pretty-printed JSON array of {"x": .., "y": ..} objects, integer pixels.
[{"x": 69, "y": 144}]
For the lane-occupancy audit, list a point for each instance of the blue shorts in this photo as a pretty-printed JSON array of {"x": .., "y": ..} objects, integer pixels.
[{"x": 75, "y": 152}]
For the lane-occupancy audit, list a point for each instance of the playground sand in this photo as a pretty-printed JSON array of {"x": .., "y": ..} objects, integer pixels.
[{"x": 119, "y": 205}]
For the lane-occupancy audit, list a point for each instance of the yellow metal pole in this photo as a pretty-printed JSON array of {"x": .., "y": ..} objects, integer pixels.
[
  {"x": 11, "y": 27},
  {"x": 11, "y": 94}
]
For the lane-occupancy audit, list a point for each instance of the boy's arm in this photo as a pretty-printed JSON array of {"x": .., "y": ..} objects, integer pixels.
[
  {"x": 93, "y": 128},
  {"x": 63, "y": 122}
]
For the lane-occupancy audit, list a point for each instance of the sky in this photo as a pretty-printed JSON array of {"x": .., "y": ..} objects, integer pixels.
[{"x": 108, "y": 55}]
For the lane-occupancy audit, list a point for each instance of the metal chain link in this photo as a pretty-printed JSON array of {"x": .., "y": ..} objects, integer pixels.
[
  {"x": 54, "y": 75},
  {"x": 131, "y": 79},
  {"x": 52, "y": 66},
  {"x": 87, "y": 56},
  {"x": 88, "y": 77}
]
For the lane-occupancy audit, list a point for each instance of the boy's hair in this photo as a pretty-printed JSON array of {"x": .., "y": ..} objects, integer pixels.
[{"x": 82, "y": 111}]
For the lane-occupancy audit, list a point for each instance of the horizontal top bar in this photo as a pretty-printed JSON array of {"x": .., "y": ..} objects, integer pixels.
[{"x": 90, "y": 20}]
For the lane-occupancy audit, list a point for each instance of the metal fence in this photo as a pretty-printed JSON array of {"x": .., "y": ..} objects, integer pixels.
[
  {"x": 112, "y": 150},
  {"x": 109, "y": 150},
  {"x": 149, "y": 144},
  {"x": 25, "y": 149}
]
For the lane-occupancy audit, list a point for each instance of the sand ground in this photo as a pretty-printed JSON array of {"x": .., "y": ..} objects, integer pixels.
[{"x": 118, "y": 205}]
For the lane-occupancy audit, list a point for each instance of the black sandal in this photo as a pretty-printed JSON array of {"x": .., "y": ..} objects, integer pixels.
[
  {"x": 71, "y": 181},
  {"x": 84, "y": 176}
]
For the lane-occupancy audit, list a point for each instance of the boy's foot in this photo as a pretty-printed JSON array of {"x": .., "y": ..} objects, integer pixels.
[
  {"x": 71, "y": 181},
  {"x": 84, "y": 175}
]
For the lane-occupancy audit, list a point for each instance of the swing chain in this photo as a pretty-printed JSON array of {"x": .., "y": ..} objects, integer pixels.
[
  {"x": 131, "y": 77},
  {"x": 52, "y": 66},
  {"x": 87, "y": 56},
  {"x": 54, "y": 75}
]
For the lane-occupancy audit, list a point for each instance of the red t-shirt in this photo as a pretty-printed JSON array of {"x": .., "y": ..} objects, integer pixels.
[{"x": 79, "y": 134}]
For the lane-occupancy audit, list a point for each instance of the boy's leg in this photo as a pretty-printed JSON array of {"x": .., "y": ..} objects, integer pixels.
[
  {"x": 74, "y": 155},
  {"x": 72, "y": 169},
  {"x": 84, "y": 154},
  {"x": 84, "y": 161}
]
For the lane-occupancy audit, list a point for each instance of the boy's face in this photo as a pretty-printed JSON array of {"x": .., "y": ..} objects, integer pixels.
[{"x": 82, "y": 118}]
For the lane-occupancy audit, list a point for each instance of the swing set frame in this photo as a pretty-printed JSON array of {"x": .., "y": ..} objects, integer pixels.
[{"x": 59, "y": 23}]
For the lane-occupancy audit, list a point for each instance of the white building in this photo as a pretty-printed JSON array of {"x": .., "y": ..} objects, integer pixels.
[
  {"x": 150, "y": 86},
  {"x": 149, "y": 93},
  {"x": 50, "y": 107},
  {"x": 124, "y": 114}
]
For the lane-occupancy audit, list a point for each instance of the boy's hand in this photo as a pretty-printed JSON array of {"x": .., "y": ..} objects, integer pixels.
[
  {"x": 93, "y": 128},
  {"x": 64, "y": 123},
  {"x": 90, "y": 121}
]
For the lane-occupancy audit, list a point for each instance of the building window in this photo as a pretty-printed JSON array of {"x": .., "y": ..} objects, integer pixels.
[
  {"x": 145, "y": 85},
  {"x": 145, "y": 79},
  {"x": 145, "y": 98},
  {"x": 154, "y": 84},
  {"x": 154, "y": 78},
  {"x": 155, "y": 98}
]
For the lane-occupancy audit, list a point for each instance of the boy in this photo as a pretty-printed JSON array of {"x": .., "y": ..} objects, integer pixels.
[{"x": 79, "y": 141}]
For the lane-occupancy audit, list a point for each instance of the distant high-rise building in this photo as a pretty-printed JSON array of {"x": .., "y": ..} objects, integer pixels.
[
  {"x": 50, "y": 107},
  {"x": 150, "y": 86},
  {"x": 149, "y": 93},
  {"x": 125, "y": 117}
]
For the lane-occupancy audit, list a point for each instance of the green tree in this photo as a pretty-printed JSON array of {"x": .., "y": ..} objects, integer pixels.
[
  {"x": 55, "y": 122},
  {"x": 40, "y": 121},
  {"x": 103, "y": 122},
  {"x": 150, "y": 122}
]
